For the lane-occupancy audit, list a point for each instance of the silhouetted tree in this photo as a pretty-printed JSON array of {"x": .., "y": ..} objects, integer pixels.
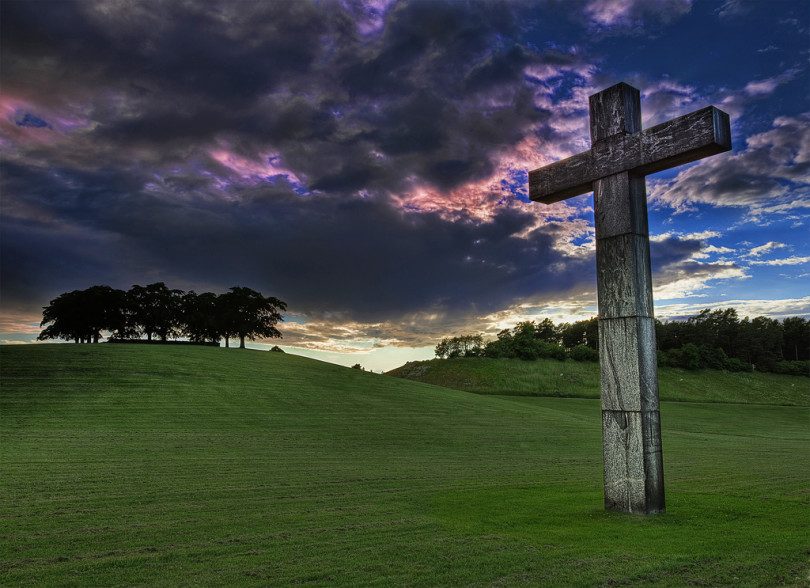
[
  {"x": 199, "y": 317},
  {"x": 248, "y": 314},
  {"x": 106, "y": 310},
  {"x": 156, "y": 310},
  {"x": 81, "y": 315},
  {"x": 461, "y": 346},
  {"x": 63, "y": 320},
  {"x": 224, "y": 318}
]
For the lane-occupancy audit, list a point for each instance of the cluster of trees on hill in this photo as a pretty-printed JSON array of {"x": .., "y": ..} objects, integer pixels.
[
  {"x": 716, "y": 339},
  {"x": 529, "y": 340},
  {"x": 159, "y": 312}
]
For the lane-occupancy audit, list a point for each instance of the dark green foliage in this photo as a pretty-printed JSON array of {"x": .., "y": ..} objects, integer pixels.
[
  {"x": 713, "y": 339},
  {"x": 461, "y": 346},
  {"x": 276, "y": 349},
  {"x": 734, "y": 364},
  {"x": 501, "y": 346},
  {"x": 583, "y": 353},
  {"x": 793, "y": 368},
  {"x": 529, "y": 341},
  {"x": 718, "y": 339},
  {"x": 796, "y": 338}
]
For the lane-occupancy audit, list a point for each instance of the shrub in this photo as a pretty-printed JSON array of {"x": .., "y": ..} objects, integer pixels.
[
  {"x": 712, "y": 357},
  {"x": 550, "y": 350},
  {"x": 690, "y": 357},
  {"x": 583, "y": 353},
  {"x": 793, "y": 368},
  {"x": 734, "y": 364},
  {"x": 276, "y": 349}
]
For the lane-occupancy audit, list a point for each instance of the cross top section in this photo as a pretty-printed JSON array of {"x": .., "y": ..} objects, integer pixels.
[{"x": 618, "y": 144}]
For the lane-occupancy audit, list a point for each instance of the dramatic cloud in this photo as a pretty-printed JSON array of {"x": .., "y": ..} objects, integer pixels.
[
  {"x": 366, "y": 160},
  {"x": 771, "y": 174}
]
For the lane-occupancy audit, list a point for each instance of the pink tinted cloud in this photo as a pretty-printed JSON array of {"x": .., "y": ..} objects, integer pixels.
[
  {"x": 59, "y": 124},
  {"x": 267, "y": 165}
]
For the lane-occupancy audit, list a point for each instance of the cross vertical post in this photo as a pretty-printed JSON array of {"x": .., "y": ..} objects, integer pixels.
[
  {"x": 631, "y": 431},
  {"x": 621, "y": 154}
]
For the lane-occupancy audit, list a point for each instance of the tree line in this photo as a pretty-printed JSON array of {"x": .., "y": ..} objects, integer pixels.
[
  {"x": 161, "y": 313},
  {"x": 715, "y": 339}
]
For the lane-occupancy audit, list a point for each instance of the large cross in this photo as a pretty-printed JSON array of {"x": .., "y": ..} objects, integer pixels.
[{"x": 621, "y": 155}]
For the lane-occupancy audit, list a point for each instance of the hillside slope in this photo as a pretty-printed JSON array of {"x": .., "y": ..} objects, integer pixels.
[
  {"x": 159, "y": 465},
  {"x": 571, "y": 379}
]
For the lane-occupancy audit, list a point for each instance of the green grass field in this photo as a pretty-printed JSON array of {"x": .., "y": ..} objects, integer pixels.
[
  {"x": 572, "y": 379},
  {"x": 161, "y": 465}
]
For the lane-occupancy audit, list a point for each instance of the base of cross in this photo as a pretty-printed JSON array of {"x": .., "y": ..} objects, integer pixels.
[
  {"x": 634, "y": 468},
  {"x": 621, "y": 155}
]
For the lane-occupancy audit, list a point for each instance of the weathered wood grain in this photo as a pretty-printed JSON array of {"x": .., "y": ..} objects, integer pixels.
[
  {"x": 627, "y": 364},
  {"x": 621, "y": 155},
  {"x": 620, "y": 205},
  {"x": 624, "y": 284},
  {"x": 653, "y": 461},
  {"x": 615, "y": 110},
  {"x": 625, "y": 474},
  {"x": 634, "y": 473},
  {"x": 687, "y": 138}
]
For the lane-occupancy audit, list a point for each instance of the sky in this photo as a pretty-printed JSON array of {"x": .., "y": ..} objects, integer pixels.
[{"x": 366, "y": 161}]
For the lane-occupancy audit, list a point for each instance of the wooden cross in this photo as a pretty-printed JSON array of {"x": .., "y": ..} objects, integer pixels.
[{"x": 621, "y": 155}]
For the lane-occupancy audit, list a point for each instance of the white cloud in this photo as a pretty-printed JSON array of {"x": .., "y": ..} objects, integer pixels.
[
  {"x": 694, "y": 236},
  {"x": 793, "y": 260},
  {"x": 732, "y": 8},
  {"x": 778, "y": 308},
  {"x": 767, "y": 86},
  {"x": 634, "y": 13},
  {"x": 690, "y": 278},
  {"x": 763, "y": 249}
]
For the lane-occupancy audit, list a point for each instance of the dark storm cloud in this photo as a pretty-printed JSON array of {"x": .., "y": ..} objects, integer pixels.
[
  {"x": 163, "y": 115},
  {"x": 171, "y": 77},
  {"x": 360, "y": 257}
]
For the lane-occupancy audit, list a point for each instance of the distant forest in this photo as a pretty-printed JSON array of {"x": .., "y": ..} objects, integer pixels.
[
  {"x": 715, "y": 339},
  {"x": 160, "y": 313}
]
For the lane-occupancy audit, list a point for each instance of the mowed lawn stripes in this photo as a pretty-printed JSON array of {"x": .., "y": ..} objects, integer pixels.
[{"x": 162, "y": 465}]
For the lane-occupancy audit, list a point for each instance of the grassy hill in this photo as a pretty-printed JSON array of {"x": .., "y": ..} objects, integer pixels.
[
  {"x": 159, "y": 465},
  {"x": 571, "y": 379}
]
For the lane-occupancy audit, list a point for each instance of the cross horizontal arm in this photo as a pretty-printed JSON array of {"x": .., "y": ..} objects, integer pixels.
[{"x": 682, "y": 140}]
